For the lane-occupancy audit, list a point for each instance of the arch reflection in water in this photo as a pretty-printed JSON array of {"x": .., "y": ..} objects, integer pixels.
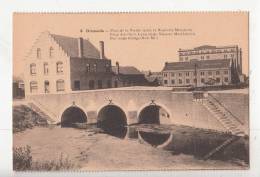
[
  {"x": 152, "y": 116},
  {"x": 112, "y": 120},
  {"x": 73, "y": 115}
]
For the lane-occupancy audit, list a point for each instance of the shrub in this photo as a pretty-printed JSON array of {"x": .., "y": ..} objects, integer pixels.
[
  {"x": 23, "y": 161},
  {"x": 24, "y": 118},
  {"x": 63, "y": 163}
]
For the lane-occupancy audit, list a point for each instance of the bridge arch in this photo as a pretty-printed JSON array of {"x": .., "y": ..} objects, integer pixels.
[
  {"x": 149, "y": 109},
  {"x": 155, "y": 114},
  {"x": 72, "y": 114},
  {"x": 113, "y": 120}
]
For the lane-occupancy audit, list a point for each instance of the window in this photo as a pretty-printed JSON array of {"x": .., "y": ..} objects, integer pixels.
[
  {"x": 173, "y": 81},
  {"x": 226, "y": 79},
  {"x": 194, "y": 73},
  {"x": 180, "y": 74},
  {"x": 187, "y": 81},
  {"x": 100, "y": 84},
  {"x": 173, "y": 74},
  {"x": 46, "y": 86},
  {"x": 59, "y": 67},
  {"x": 51, "y": 52},
  {"x": 187, "y": 73},
  {"x": 226, "y": 72},
  {"x": 195, "y": 80},
  {"x": 207, "y": 56},
  {"x": 202, "y": 80},
  {"x": 217, "y": 72},
  {"x": 60, "y": 85},
  {"x": 107, "y": 68},
  {"x": 180, "y": 81},
  {"x": 38, "y": 53},
  {"x": 225, "y": 56},
  {"x": 186, "y": 58},
  {"x": 164, "y": 74},
  {"x": 91, "y": 84},
  {"x": 45, "y": 68},
  {"x": 165, "y": 81},
  {"x": 33, "y": 69},
  {"x": 210, "y": 73},
  {"x": 77, "y": 85},
  {"x": 202, "y": 57},
  {"x": 116, "y": 84},
  {"x": 95, "y": 68},
  {"x": 109, "y": 84},
  {"x": 33, "y": 87},
  {"x": 202, "y": 73},
  {"x": 218, "y": 80},
  {"x": 88, "y": 68},
  {"x": 232, "y": 55}
]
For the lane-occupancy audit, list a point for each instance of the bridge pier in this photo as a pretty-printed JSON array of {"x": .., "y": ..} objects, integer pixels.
[
  {"x": 131, "y": 133},
  {"x": 132, "y": 117},
  {"x": 92, "y": 117}
]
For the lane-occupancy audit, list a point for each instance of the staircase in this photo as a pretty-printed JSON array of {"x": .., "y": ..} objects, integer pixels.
[
  {"x": 42, "y": 112},
  {"x": 220, "y": 147},
  {"x": 223, "y": 115}
]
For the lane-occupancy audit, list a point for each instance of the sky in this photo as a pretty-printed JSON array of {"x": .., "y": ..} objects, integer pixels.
[{"x": 219, "y": 29}]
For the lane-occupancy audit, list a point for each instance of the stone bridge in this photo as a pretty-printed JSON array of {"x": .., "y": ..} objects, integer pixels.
[{"x": 133, "y": 105}]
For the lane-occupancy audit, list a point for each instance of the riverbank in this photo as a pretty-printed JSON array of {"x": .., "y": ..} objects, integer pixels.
[{"x": 97, "y": 151}]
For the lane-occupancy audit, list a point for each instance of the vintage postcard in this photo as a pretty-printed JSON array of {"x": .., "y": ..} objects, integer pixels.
[{"x": 130, "y": 91}]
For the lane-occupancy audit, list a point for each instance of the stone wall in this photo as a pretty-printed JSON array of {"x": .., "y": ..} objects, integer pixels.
[{"x": 180, "y": 105}]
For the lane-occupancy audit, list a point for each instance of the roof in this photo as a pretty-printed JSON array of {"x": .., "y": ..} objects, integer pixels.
[
  {"x": 200, "y": 64},
  {"x": 127, "y": 70},
  {"x": 203, "y": 47},
  {"x": 70, "y": 46}
]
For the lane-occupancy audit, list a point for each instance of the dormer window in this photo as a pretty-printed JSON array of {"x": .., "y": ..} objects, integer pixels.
[
  {"x": 38, "y": 53},
  {"x": 51, "y": 52}
]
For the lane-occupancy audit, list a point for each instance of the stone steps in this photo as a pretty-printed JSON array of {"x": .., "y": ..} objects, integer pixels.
[{"x": 222, "y": 116}]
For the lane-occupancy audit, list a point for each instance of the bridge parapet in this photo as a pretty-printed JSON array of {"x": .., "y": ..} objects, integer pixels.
[{"x": 179, "y": 107}]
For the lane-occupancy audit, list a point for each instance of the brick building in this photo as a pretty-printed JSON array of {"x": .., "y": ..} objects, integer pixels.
[
  {"x": 198, "y": 73},
  {"x": 128, "y": 76},
  {"x": 207, "y": 52},
  {"x": 204, "y": 66},
  {"x": 58, "y": 64}
]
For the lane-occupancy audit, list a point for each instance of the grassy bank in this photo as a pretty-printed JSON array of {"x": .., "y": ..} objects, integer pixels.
[
  {"x": 24, "y": 118},
  {"x": 23, "y": 161}
]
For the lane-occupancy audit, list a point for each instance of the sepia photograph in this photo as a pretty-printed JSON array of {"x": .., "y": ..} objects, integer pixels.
[{"x": 130, "y": 91}]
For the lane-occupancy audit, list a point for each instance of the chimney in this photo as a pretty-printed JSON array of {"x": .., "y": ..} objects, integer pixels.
[
  {"x": 102, "y": 51},
  {"x": 117, "y": 68},
  {"x": 80, "y": 47}
]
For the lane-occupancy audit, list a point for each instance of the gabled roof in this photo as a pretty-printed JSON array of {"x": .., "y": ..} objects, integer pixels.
[
  {"x": 127, "y": 70},
  {"x": 70, "y": 46},
  {"x": 200, "y": 64}
]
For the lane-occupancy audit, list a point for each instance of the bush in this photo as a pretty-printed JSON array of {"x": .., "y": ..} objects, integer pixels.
[
  {"x": 22, "y": 161},
  {"x": 63, "y": 163},
  {"x": 24, "y": 118}
]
